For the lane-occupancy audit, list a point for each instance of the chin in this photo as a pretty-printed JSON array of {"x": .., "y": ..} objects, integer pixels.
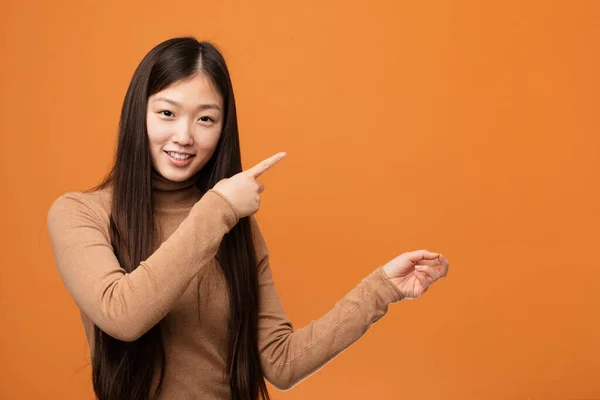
[{"x": 177, "y": 176}]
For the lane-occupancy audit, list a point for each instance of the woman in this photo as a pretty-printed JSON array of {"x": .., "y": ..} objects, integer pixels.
[{"x": 168, "y": 266}]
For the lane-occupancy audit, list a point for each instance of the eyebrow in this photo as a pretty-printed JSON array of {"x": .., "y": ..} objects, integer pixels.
[{"x": 199, "y": 107}]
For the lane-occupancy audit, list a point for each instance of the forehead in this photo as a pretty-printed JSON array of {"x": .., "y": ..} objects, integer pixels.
[{"x": 197, "y": 90}]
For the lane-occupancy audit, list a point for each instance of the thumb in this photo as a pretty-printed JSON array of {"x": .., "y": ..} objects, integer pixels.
[{"x": 420, "y": 255}]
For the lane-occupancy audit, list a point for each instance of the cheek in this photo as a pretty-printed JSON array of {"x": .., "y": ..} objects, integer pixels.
[
  {"x": 207, "y": 142},
  {"x": 207, "y": 139},
  {"x": 157, "y": 134}
]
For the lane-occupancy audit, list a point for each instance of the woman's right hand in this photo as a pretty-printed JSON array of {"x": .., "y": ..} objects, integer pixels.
[{"x": 243, "y": 190}]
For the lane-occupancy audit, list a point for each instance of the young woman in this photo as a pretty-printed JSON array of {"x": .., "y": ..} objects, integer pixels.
[{"x": 168, "y": 266}]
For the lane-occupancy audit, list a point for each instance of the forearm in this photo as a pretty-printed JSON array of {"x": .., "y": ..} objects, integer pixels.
[{"x": 291, "y": 355}]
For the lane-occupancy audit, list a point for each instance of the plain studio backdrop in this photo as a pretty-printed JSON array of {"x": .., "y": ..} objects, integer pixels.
[{"x": 463, "y": 127}]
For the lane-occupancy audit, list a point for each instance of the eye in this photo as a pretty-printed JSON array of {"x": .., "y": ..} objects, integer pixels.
[
  {"x": 166, "y": 113},
  {"x": 206, "y": 119}
]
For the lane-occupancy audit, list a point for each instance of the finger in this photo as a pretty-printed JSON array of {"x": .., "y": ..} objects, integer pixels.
[
  {"x": 429, "y": 262},
  {"x": 436, "y": 264},
  {"x": 445, "y": 265},
  {"x": 431, "y": 272},
  {"x": 265, "y": 165},
  {"x": 434, "y": 273},
  {"x": 422, "y": 278},
  {"x": 419, "y": 255},
  {"x": 261, "y": 188}
]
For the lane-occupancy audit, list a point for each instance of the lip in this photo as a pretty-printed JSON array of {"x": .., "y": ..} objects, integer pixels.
[
  {"x": 179, "y": 163},
  {"x": 178, "y": 152}
]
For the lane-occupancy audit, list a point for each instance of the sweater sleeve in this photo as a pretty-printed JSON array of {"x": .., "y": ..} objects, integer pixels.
[
  {"x": 290, "y": 355},
  {"x": 126, "y": 305}
]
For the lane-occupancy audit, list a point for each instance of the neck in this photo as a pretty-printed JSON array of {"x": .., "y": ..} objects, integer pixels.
[{"x": 171, "y": 194}]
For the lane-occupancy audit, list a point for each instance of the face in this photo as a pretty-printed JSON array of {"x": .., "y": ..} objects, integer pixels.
[{"x": 184, "y": 124}]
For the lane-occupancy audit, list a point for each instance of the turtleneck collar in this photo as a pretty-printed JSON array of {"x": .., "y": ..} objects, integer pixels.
[{"x": 170, "y": 194}]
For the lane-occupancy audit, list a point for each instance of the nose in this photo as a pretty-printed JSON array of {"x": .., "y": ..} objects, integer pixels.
[{"x": 183, "y": 135}]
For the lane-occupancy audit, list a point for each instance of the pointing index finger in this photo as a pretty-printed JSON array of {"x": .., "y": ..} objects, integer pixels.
[{"x": 265, "y": 165}]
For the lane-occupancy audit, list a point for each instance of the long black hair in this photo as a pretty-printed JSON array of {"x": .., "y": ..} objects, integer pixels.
[{"x": 135, "y": 370}]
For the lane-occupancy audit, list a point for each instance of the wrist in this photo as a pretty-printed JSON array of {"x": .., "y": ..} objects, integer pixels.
[
  {"x": 397, "y": 295},
  {"x": 386, "y": 272}
]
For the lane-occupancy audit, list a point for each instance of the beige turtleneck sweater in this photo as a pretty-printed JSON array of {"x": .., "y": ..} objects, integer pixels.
[{"x": 181, "y": 284}]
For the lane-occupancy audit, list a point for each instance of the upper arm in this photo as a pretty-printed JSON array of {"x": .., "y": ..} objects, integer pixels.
[
  {"x": 126, "y": 305},
  {"x": 84, "y": 256},
  {"x": 274, "y": 327}
]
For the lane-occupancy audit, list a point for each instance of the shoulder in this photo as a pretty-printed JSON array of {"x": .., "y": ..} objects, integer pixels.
[
  {"x": 73, "y": 202},
  {"x": 78, "y": 208}
]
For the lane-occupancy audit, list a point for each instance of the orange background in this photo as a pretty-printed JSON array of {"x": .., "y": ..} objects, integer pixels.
[{"x": 462, "y": 127}]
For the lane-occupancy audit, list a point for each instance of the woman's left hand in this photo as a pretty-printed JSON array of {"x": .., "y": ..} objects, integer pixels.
[{"x": 413, "y": 272}]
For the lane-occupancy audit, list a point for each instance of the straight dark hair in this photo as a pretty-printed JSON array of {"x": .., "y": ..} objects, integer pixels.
[{"x": 135, "y": 370}]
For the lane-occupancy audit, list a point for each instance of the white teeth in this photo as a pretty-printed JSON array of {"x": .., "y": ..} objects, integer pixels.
[{"x": 178, "y": 156}]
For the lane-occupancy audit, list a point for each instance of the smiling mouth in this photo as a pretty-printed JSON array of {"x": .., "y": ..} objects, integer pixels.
[{"x": 179, "y": 156}]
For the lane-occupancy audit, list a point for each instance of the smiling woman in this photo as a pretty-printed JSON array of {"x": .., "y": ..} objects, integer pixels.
[
  {"x": 168, "y": 265},
  {"x": 184, "y": 126}
]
